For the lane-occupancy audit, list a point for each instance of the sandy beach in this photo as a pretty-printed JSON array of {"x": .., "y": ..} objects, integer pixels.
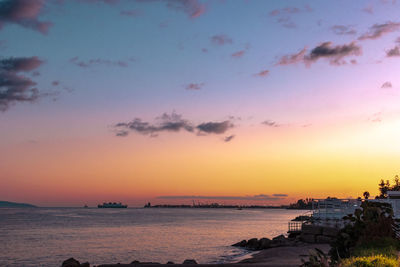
[{"x": 274, "y": 257}]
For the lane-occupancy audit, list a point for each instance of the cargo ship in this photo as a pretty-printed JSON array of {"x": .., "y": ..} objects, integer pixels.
[{"x": 112, "y": 205}]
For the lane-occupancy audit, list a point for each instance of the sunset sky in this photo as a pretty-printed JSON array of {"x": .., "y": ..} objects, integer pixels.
[{"x": 169, "y": 101}]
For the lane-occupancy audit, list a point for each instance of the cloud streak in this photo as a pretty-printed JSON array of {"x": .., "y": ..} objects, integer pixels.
[
  {"x": 378, "y": 30},
  {"x": 170, "y": 123},
  {"x": 221, "y": 39},
  {"x": 98, "y": 61}
]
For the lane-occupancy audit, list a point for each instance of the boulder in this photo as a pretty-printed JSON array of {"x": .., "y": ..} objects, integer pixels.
[
  {"x": 330, "y": 231},
  {"x": 85, "y": 264},
  {"x": 240, "y": 244},
  {"x": 170, "y": 262},
  {"x": 71, "y": 262},
  {"x": 311, "y": 229},
  {"x": 189, "y": 261},
  {"x": 264, "y": 243},
  {"x": 252, "y": 244},
  {"x": 321, "y": 239},
  {"x": 281, "y": 238}
]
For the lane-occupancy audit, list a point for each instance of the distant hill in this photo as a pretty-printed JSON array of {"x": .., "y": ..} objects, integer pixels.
[{"x": 7, "y": 204}]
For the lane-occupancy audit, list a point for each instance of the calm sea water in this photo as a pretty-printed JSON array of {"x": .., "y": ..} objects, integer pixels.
[{"x": 47, "y": 236}]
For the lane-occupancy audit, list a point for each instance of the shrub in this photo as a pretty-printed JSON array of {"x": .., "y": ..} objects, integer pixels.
[
  {"x": 369, "y": 226},
  {"x": 371, "y": 261}
]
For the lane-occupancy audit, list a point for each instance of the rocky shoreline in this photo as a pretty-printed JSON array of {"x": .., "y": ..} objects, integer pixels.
[{"x": 278, "y": 251}]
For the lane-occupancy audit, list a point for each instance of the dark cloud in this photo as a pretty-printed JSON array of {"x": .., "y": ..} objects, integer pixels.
[
  {"x": 24, "y": 13},
  {"x": 386, "y": 85},
  {"x": 14, "y": 87},
  {"x": 271, "y": 123},
  {"x": 229, "y": 138},
  {"x": 193, "y": 8},
  {"x": 343, "y": 30},
  {"x": 334, "y": 54},
  {"x": 394, "y": 52},
  {"x": 167, "y": 122},
  {"x": 98, "y": 61},
  {"x": 221, "y": 39},
  {"x": 170, "y": 123},
  {"x": 215, "y": 127},
  {"x": 194, "y": 86},
  {"x": 260, "y": 197},
  {"x": 378, "y": 30},
  {"x": 263, "y": 73}
]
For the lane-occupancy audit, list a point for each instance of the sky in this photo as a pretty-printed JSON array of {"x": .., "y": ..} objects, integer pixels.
[{"x": 174, "y": 101}]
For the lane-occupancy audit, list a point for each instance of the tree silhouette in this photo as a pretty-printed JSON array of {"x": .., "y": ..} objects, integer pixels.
[{"x": 366, "y": 194}]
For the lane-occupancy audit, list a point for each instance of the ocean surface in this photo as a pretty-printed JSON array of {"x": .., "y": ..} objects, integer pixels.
[{"x": 48, "y": 236}]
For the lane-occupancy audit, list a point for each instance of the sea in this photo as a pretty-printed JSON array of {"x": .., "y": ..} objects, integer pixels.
[{"x": 48, "y": 236}]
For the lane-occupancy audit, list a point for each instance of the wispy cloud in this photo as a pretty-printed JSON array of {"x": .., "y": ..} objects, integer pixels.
[
  {"x": 221, "y": 39},
  {"x": 238, "y": 54},
  {"x": 263, "y": 73},
  {"x": 343, "y": 30},
  {"x": 229, "y": 138},
  {"x": 378, "y": 30},
  {"x": 24, "y": 13},
  {"x": 98, "y": 61},
  {"x": 194, "y": 86},
  {"x": 387, "y": 85},
  {"x": 271, "y": 123},
  {"x": 260, "y": 197},
  {"x": 16, "y": 88},
  {"x": 131, "y": 13},
  {"x": 193, "y": 8},
  {"x": 284, "y": 15}
]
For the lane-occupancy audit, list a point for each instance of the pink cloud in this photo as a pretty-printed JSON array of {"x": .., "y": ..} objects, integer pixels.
[{"x": 24, "y": 13}]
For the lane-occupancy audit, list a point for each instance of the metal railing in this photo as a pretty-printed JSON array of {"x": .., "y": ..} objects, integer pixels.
[{"x": 294, "y": 227}]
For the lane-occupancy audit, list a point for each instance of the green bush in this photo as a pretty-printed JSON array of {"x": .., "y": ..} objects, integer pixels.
[{"x": 371, "y": 261}]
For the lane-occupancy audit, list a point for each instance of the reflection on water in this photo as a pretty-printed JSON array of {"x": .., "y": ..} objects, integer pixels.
[{"x": 47, "y": 236}]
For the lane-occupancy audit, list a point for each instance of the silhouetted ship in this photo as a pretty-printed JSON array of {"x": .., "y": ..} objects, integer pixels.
[{"x": 112, "y": 205}]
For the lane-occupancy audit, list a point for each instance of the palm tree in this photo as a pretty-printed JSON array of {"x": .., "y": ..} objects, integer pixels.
[{"x": 366, "y": 194}]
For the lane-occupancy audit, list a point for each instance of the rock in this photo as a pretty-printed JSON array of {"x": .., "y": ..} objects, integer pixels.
[
  {"x": 308, "y": 238},
  {"x": 321, "y": 239},
  {"x": 85, "y": 264},
  {"x": 252, "y": 244},
  {"x": 189, "y": 261},
  {"x": 71, "y": 262},
  {"x": 264, "y": 243},
  {"x": 170, "y": 262},
  {"x": 330, "y": 231},
  {"x": 279, "y": 238},
  {"x": 311, "y": 229},
  {"x": 240, "y": 244},
  {"x": 135, "y": 262}
]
